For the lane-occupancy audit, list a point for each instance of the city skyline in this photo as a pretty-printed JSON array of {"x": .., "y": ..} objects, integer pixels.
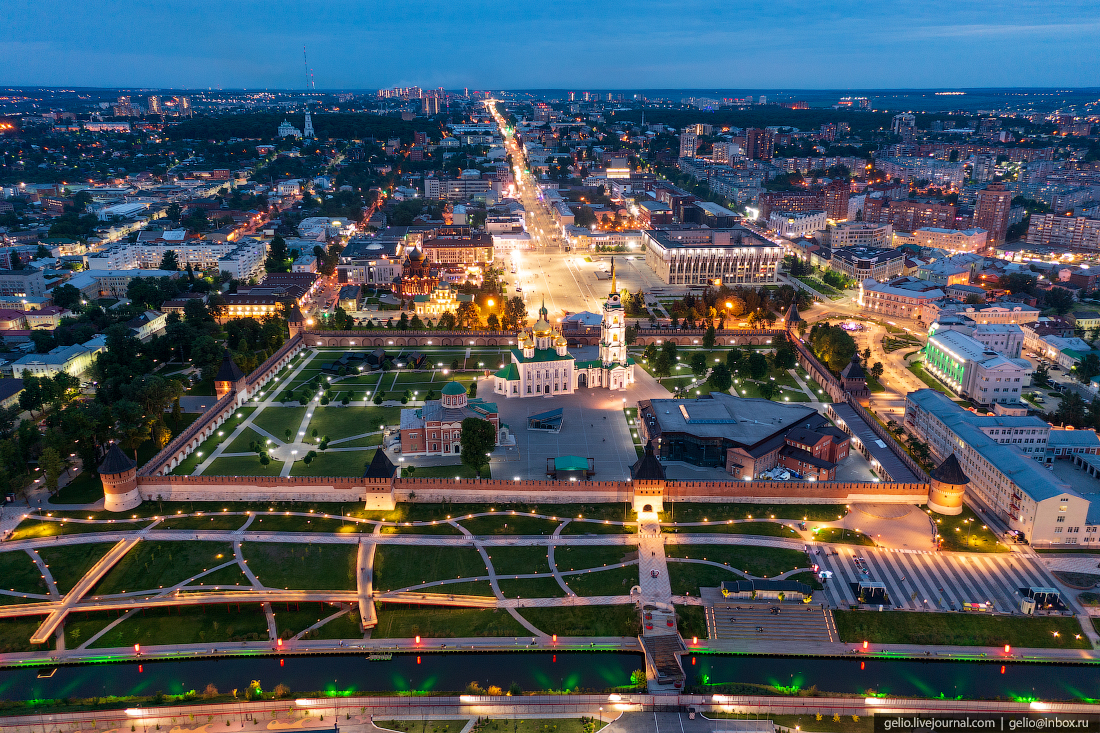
[{"x": 890, "y": 46}]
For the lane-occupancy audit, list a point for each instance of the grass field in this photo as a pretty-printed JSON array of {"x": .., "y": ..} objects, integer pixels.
[
  {"x": 79, "y": 627},
  {"x": 242, "y": 466},
  {"x": 689, "y": 512},
  {"x": 531, "y": 588},
  {"x": 759, "y": 561},
  {"x": 401, "y": 566},
  {"x": 686, "y": 578},
  {"x": 509, "y": 524},
  {"x": 86, "y": 488},
  {"x": 401, "y": 622},
  {"x": 766, "y": 529},
  {"x": 206, "y": 521},
  {"x": 302, "y": 566},
  {"x": 152, "y": 564},
  {"x": 69, "y": 564},
  {"x": 463, "y": 588},
  {"x": 335, "y": 463},
  {"x": 276, "y": 420},
  {"x": 458, "y": 471},
  {"x": 613, "y": 582},
  {"x": 519, "y": 560},
  {"x": 592, "y": 556},
  {"x": 960, "y": 629},
  {"x": 229, "y": 575},
  {"x": 188, "y": 625},
  {"x": 303, "y": 615},
  {"x": 691, "y": 621},
  {"x": 15, "y": 633},
  {"x": 30, "y": 529},
  {"x": 842, "y": 536},
  {"x": 585, "y": 620},
  {"x": 966, "y": 532},
  {"x": 19, "y": 573},
  {"x": 344, "y": 422}
]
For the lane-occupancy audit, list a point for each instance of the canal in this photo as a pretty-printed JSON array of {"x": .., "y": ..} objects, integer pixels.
[{"x": 545, "y": 671}]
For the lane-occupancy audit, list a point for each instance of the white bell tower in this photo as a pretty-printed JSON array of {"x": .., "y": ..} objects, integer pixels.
[{"x": 613, "y": 328}]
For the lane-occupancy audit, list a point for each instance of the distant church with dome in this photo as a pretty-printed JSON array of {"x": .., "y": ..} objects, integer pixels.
[{"x": 541, "y": 365}]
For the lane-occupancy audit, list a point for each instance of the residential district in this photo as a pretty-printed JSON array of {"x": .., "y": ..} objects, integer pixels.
[{"x": 513, "y": 371}]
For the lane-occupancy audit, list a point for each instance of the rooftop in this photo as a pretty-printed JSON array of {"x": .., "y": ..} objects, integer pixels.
[{"x": 742, "y": 420}]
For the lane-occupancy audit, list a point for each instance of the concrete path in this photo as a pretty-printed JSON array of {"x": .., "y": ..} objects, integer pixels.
[
  {"x": 272, "y": 628},
  {"x": 51, "y": 584}
]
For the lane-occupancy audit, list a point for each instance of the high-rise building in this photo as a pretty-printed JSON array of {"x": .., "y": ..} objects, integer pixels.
[
  {"x": 904, "y": 125},
  {"x": 183, "y": 107},
  {"x": 430, "y": 104},
  {"x": 991, "y": 212},
  {"x": 572, "y": 96},
  {"x": 759, "y": 144},
  {"x": 689, "y": 143},
  {"x": 154, "y": 105},
  {"x": 836, "y": 200}
]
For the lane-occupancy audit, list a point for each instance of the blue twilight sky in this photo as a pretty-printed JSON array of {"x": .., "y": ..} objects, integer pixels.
[{"x": 835, "y": 44}]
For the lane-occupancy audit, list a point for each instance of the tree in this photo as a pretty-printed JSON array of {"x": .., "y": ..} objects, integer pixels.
[
  {"x": 133, "y": 426},
  {"x": 709, "y": 337},
  {"x": 161, "y": 433},
  {"x": 169, "y": 261},
  {"x": 720, "y": 378},
  {"x": 492, "y": 322},
  {"x": 630, "y": 335},
  {"x": 478, "y": 440},
  {"x": 468, "y": 315},
  {"x": 515, "y": 314},
  {"x": 758, "y": 365},
  {"x": 1088, "y": 368},
  {"x": 1042, "y": 374},
  {"x": 66, "y": 296},
  {"x": 662, "y": 365},
  {"x": 447, "y": 321},
  {"x": 733, "y": 358},
  {"x": 669, "y": 349},
  {"x": 30, "y": 399},
  {"x": 1071, "y": 411},
  {"x": 699, "y": 363},
  {"x": 876, "y": 370},
  {"x": 278, "y": 258},
  {"x": 52, "y": 466},
  {"x": 1059, "y": 299},
  {"x": 769, "y": 390}
]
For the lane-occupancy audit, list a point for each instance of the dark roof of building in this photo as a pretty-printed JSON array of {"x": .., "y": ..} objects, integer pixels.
[
  {"x": 743, "y": 586},
  {"x": 950, "y": 472},
  {"x": 805, "y": 437},
  {"x": 116, "y": 461},
  {"x": 228, "y": 371},
  {"x": 380, "y": 466},
  {"x": 792, "y": 314},
  {"x": 647, "y": 468},
  {"x": 10, "y": 388},
  {"x": 806, "y": 457},
  {"x": 854, "y": 370}
]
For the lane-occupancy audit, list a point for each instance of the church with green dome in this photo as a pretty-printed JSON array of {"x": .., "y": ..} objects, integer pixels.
[{"x": 541, "y": 365}]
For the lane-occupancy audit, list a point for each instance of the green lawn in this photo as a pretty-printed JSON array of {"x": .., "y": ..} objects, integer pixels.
[
  {"x": 242, "y": 466},
  {"x": 460, "y": 470},
  {"x": 309, "y": 523},
  {"x": 69, "y": 564},
  {"x": 577, "y": 557},
  {"x": 152, "y": 564},
  {"x": 509, "y": 524},
  {"x": 531, "y": 588},
  {"x": 842, "y": 536},
  {"x": 335, "y": 463},
  {"x": 766, "y": 529},
  {"x": 423, "y": 725},
  {"x": 303, "y": 615},
  {"x": 18, "y": 572},
  {"x": 15, "y": 634},
  {"x": 402, "y": 622},
  {"x": 694, "y": 512},
  {"x": 599, "y": 582},
  {"x": 465, "y": 588},
  {"x": 586, "y": 620},
  {"x": 229, "y": 575},
  {"x": 341, "y": 627},
  {"x": 343, "y": 422},
  {"x": 691, "y": 621},
  {"x": 759, "y": 561},
  {"x": 370, "y": 441},
  {"x": 276, "y": 420},
  {"x": 188, "y": 625},
  {"x": 686, "y": 578},
  {"x": 928, "y": 379},
  {"x": 401, "y": 566},
  {"x": 959, "y": 629},
  {"x": 966, "y": 533},
  {"x": 240, "y": 443},
  {"x": 579, "y": 528},
  {"x": 206, "y": 521},
  {"x": 85, "y": 488},
  {"x": 79, "y": 627},
  {"x": 519, "y": 560},
  {"x": 302, "y": 566},
  {"x": 30, "y": 529}
]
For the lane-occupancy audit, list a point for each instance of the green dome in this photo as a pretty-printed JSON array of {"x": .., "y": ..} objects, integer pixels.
[{"x": 454, "y": 388}]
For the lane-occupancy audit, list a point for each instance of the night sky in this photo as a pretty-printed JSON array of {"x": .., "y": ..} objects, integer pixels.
[{"x": 839, "y": 44}]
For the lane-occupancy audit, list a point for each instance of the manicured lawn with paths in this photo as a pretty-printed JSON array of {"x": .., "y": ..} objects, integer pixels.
[
  {"x": 343, "y": 422},
  {"x": 585, "y": 620},
  {"x": 229, "y": 575},
  {"x": 371, "y": 441},
  {"x": 86, "y": 488},
  {"x": 461, "y": 471},
  {"x": 18, "y": 572},
  {"x": 530, "y": 588},
  {"x": 329, "y": 463},
  {"x": 206, "y": 521},
  {"x": 33, "y": 528},
  {"x": 401, "y": 566},
  {"x": 591, "y": 556},
  {"x": 764, "y": 529},
  {"x": 401, "y": 622},
  {"x": 302, "y": 566},
  {"x": 240, "y": 443},
  {"x": 518, "y": 560},
  {"x": 758, "y": 561},
  {"x": 188, "y": 625},
  {"x": 276, "y": 420},
  {"x": 509, "y": 524},
  {"x": 687, "y": 577},
  {"x": 600, "y": 582},
  {"x": 578, "y": 528},
  {"x": 242, "y": 466},
  {"x": 69, "y": 564},
  {"x": 152, "y": 564},
  {"x": 308, "y": 523},
  {"x": 689, "y": 512},
  {"x": 16, "y": 632},
  {"x": 959, "y": 629},
  {"x": 841, "y": 536},
  {"x": 471, "y": 588},
  {"x": 301, "y": 616}
]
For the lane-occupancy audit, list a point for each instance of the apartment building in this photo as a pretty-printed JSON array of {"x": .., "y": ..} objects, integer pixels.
[
  {"x": 1002, "y": 457},
  {"x": 794, "y": 224},
  {"x": 25, "y": 283},
  {"x": 712, "y": 256},
  {"x": 1064, "y": 232},
  {"x": 908, "y": 216},
  {"x": 860, "y": 263},
  {"x": 903, "y": 297},
  {"x": 860, "y": 234},
  {"x": 952, "y": 240}
]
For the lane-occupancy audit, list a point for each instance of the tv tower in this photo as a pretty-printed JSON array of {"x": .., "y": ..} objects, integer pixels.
[{"x": 311, "y": 84}]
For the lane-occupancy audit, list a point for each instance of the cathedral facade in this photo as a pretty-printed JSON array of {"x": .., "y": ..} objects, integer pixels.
[{"x": 541, "y": 365}]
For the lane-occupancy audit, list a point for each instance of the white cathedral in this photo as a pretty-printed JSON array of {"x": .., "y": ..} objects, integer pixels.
[{"x": 542, "y": 366}]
